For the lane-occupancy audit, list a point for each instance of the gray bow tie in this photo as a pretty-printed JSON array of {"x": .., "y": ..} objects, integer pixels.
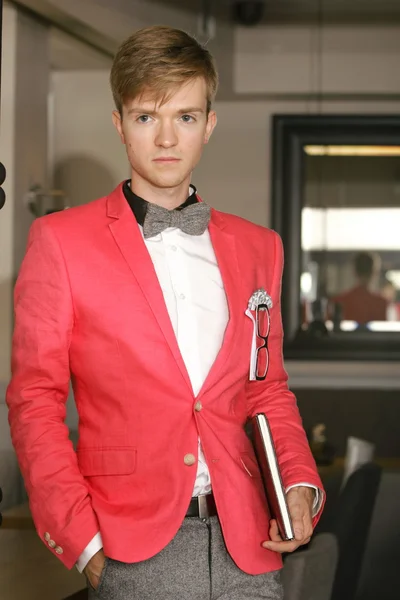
[{"x": 192, "y": 220}]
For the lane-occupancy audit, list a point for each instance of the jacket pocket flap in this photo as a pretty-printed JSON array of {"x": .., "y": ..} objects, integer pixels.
[{"x": 106, "y": 461}]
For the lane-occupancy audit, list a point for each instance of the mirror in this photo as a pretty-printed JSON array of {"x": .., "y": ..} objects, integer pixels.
[
  {"x": 336, "y": 204},
  {"x": 350, "y": 237}
]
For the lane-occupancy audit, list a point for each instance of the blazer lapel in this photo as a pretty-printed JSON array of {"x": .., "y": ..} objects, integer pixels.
[
  {"x": 224, "y": 245},
  {"x": 127, "y": 235}
]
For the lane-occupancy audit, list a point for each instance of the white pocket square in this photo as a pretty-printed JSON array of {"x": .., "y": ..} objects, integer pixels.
[{"x": 258, "y": 297}]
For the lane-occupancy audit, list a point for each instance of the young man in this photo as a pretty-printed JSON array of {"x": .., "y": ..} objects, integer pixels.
[{"x": 142, "y": 297}]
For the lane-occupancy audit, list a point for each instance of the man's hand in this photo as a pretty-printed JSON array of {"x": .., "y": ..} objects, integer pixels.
[
  {"x": 300, "y": 503},
  {"x": 94, "y": 568}
]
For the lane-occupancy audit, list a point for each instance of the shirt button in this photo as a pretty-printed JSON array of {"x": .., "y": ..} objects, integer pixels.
[
  {"x": 47, "y": 536},
  {"x": 182, "y": 296},
  {"x": 174, "y": 248},
  {"x": 189, "y": 459},
  {"x": 52, "y": 543},
  {"x": 59, "y": 550},
  {"x": 198, "y": 406}
]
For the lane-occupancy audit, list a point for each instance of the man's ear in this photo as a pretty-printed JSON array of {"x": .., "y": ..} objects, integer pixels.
[
  {"x": 117, "y": 120},
  {"x": 211, "y": 124}
]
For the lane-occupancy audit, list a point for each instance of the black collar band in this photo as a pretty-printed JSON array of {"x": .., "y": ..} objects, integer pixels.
[{"x": 139, "y": 205}]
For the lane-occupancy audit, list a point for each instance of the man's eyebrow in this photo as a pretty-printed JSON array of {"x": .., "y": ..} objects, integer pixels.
[
  {"x": 140, "y": 110},
  {"x": 182, "y": 111},
  {"x": 192, "y": 109}
]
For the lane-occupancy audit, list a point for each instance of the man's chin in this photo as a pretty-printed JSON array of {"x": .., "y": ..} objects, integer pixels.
[{"x": 170, "y": 182}]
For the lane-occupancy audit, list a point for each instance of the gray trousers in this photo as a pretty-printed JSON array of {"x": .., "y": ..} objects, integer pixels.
[{"x": 194, "y": 566}]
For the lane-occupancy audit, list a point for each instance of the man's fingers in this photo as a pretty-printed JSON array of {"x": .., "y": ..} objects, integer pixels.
[
  {"x": 298, "y": 525},
  {"x": 274, "y": 532},
  {"x": 301, "y": 520},
  {"x": 297, "y": 514},
  {"x": 94, "y": 581},
  {"x": 300, "y": 513},
  {"x": 300, "y": 507},
  {"x": 302, "y": 533},
  {"x": 302, "y": 530},
  {"x": 282, "y": 546},
  {"x": 307, "y": 528}
]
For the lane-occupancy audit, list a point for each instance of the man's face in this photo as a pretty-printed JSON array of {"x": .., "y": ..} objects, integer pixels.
[{"x": 165, "y": 143}]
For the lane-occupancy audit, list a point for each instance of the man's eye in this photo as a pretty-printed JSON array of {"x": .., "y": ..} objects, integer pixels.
[
  {"x": 143, "y": 118},
  {"x": 187, "y": 118}
]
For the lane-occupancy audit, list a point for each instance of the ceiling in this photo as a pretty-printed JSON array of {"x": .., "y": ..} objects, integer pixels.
[
  {"x": 98, "y": 26},
  {"x": 278, "y": 10},
  {"x": 68, "y": 53}
]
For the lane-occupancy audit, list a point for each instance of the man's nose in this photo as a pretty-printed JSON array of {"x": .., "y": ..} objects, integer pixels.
[{"x": 166, "y": 135}]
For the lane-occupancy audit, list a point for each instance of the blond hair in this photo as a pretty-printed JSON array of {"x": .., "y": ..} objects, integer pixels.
[{"x": 158, "y": 60}]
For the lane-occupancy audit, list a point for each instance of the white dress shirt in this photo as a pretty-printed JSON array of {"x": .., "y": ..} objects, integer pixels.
[{"x": 194, "y": 294}]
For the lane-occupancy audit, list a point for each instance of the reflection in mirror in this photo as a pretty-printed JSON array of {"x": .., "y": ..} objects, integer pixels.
[{"x": 350, "y": 240}]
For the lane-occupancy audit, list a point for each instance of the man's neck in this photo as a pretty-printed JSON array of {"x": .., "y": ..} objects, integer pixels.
[
  {"x": 365, "y": 283},
  {"x": 168, "y": 198}
]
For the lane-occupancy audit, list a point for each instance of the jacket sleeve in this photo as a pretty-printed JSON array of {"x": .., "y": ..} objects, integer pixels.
[
  {"x": 273, "y": 397},
  {"x": 36, "y": 397}
]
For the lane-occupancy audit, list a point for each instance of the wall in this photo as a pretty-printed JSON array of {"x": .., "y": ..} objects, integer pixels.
[
  {"x": 88, "y": 159},
  {"x": 275, "y": 70},
  {"x": 31, "y": 120},
  {"x": 7, "y": 460},
  {"x": 300, "y": 59},
  {"x": 118, "y": 19},
  {"x": 369, "y": 414},
  {"x": 23, "y": 149},
  {"x": 24, "y": 152},
  {"x": 234, "y": 174},
  {"x": 7, "y": 213}
]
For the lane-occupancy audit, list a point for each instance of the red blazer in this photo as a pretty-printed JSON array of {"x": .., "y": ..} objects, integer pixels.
[{"x": 88, "y": 302}]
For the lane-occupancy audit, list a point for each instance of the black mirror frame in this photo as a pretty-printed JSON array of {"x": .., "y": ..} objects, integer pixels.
[{"x": 290, "y": 134}]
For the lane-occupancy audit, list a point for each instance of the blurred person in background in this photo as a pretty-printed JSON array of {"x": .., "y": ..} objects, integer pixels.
[
  {"x": 360, "y": 303},
  {"x": 140, "y": 297}
]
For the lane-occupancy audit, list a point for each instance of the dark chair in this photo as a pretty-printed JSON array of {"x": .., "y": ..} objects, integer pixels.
[
  {"x": 333, "y": 485},
  {"x": 379, "y": 576},
  {"x": 308, "y": 575},
  {"x": 349, "y": 519}
]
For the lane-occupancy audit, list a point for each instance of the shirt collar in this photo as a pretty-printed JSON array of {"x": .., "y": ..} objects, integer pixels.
[{"x": 139, "y": 205}]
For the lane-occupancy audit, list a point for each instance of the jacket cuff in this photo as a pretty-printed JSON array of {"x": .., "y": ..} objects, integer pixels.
[{"x": 69, "y": 543}]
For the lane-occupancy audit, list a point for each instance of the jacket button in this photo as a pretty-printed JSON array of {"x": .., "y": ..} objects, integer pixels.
[
  {"x": 47, "y": 536},
  {"x": 189, "y": 459},
  {"x": 52, "y": 543},
  {"x": 59, "y": 550},
  {"x": 198, "y": 406}
]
